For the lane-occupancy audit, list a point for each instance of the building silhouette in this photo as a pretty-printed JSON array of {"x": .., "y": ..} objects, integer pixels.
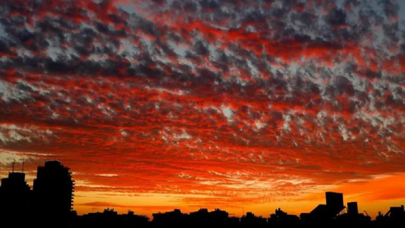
[
  {"x": 53, "y": 195},
  {"x": 395, "y": 215},
  {"x": 200, "y": 218},
  {"x": 175, "y": 217},
  {"x": 352, "y": 208},
  {"x": 251, "y": 219},
  {"x": 110, "y": 218},
  {"x": 325, "y": 213},
  {"x": 15, "y": 196},
  {"x": 282, "y": 219},
  {"x": 353, "y": 217},
  {"x": 203, "y": 217},
  {"x": 218, "y": 217},
  {"x": 334, "y": 202}
]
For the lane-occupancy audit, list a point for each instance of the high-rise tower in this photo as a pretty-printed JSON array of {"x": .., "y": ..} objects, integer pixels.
[{"x": 53, "y": 193}]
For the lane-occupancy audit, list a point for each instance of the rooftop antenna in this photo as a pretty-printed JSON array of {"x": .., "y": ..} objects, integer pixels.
[
  {"x": 22, "y": 169},
  {"x": 12, "y": 165}
]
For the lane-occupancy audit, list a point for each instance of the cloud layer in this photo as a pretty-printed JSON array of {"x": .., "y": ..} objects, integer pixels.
[{"x": 231, "y": 102}]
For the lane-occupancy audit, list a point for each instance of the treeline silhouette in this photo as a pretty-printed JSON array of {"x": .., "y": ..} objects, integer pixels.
[{"x": 49, "y": 204}]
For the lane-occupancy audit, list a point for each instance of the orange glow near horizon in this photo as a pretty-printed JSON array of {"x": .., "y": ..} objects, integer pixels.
[{"x": 372, "y": 196}]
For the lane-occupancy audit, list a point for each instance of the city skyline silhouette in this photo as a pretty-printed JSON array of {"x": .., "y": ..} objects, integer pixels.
[{"x": 50, "y": 204}]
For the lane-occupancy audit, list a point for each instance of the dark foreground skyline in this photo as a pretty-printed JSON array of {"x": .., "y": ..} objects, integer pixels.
[
  {"x": 207, "y": 103},
  {"x": 50, "y": 204}
]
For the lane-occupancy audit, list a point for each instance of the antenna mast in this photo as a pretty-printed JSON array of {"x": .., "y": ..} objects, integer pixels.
[
  {"x": 23, "y": 165},
  {"x": 12, "y": 165}
]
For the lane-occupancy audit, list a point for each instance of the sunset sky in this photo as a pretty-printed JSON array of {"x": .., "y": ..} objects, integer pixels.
[{"x": 243, "y": 105}]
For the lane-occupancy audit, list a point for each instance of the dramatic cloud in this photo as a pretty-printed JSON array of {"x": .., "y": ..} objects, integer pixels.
[{"x": 211, "y": 102}]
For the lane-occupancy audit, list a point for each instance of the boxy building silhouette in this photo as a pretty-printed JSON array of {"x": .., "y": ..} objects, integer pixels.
[
  {"x": 352, "y": 208},
  {"x": 15, "y": 195}
]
